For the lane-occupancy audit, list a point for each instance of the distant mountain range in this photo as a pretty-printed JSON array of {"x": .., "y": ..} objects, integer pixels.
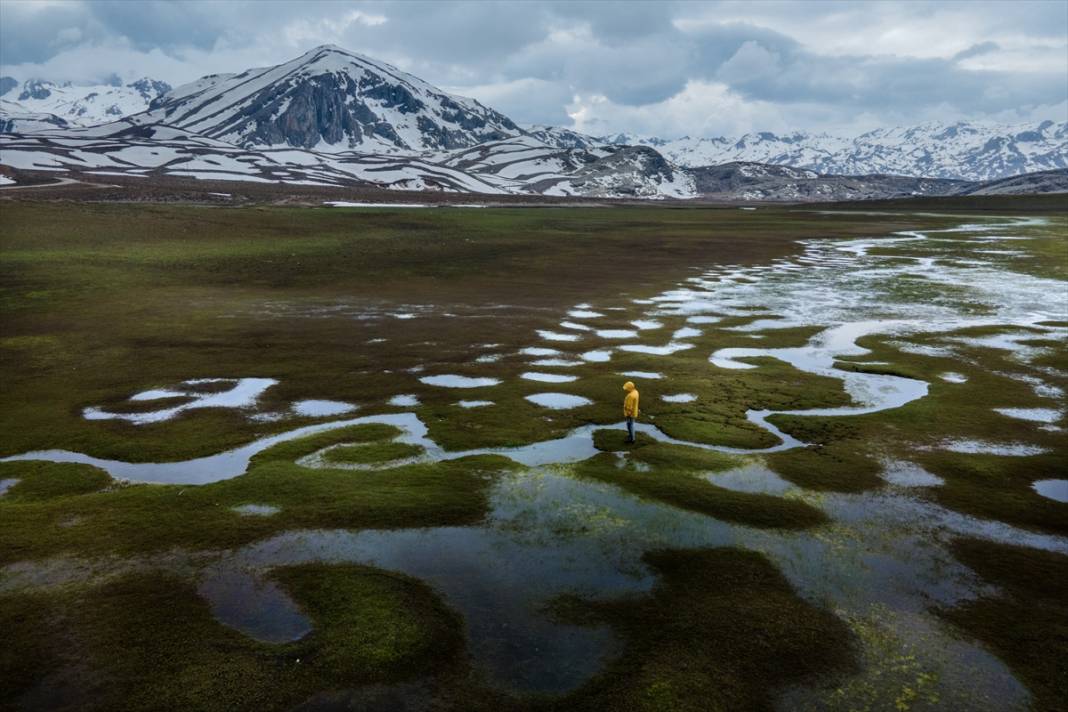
[
  {"x": 50, "y": 105},
  {"x": 332, "y": 117},
  {"x": 961, "y": 151}
]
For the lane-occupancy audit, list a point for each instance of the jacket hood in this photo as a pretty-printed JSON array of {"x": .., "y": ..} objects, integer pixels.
[{"x": 628, "y": 386}]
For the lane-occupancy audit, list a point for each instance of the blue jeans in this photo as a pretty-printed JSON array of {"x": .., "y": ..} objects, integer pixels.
[{"x": 630, "y": 429}]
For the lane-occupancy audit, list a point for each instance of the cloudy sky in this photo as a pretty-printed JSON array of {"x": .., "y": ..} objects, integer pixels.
[{"x": 665, "y": 68}]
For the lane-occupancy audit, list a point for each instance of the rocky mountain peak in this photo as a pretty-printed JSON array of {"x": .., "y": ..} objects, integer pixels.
[
  {"x": 36, "y": 89},
  {"x": 149, "y": 88},
  {"x": 333, "y": 100}
]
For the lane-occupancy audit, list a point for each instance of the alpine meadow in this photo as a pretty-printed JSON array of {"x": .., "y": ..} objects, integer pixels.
[{"x": 482, "y": 356}]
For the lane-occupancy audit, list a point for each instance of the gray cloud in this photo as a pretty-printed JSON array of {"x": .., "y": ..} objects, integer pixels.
[
  {"x": 976, "y": 50},
  {"x": 769, "y": 63}
]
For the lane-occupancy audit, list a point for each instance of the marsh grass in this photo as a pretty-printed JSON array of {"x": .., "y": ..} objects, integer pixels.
[
  {"x": 721, "y": 631},
  {"x": 372, "y": 453},
  {"x": 103, "y": 301},
  {"x": 1026, "y": 623},
  {"x": 147, "y": 641},
  {"x": 675, "y": 475}
]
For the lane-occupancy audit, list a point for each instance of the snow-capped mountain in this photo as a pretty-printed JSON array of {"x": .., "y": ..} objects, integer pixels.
[
  {"x": 566, "y": 138},
  {"x": 38, "y": 100},
  {"x": 329, "y": 99},
  {"x": 511, "y": 166},
  {"x": 962, "y": 151},
  {"x": 335, "y": 118},
  {"x": 605, "y": 171}
]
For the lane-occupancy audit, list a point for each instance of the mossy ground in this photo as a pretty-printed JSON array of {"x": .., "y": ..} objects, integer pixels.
[
  {"x": 144, "y": 518},
  {"x": 673, "y": 474},
  {"x": 721, "y": 631},
  {"x": 372, "y": 453},
  {"x": 1026, "y": 624},
  {"x": 147, "y": 641},
  {"x": 103, "y": 301},
  {"x": 847, "y": 452}
]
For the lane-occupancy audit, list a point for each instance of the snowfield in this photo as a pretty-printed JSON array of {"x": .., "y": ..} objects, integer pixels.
[{"x": 963, "y": 150}]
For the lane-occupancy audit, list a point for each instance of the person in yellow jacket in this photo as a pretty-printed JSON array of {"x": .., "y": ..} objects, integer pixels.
[{"x": 630, "y": 408}]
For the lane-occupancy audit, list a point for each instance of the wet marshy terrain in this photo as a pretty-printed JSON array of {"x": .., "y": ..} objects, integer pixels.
[{"x": 847, "y": 490}]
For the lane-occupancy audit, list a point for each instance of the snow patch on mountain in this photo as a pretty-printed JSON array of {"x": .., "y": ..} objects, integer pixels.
[
  {"x": 334, "y": 117},
  {"x": 963, "y": 150},
  {"x": 72, "y": 104},
  {"x": 329, "y": 100}
]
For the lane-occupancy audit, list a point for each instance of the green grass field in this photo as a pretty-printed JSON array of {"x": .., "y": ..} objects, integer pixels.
[{"x": 99, "y": 578}]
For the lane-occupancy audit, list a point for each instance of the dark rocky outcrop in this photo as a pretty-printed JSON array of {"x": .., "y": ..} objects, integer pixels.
[
  {"x": 1027, "y": 184},
  {"x": 761, "y": 181},
  {"x": 150, "y": 88},
  {"x": 36, "y": 89}
]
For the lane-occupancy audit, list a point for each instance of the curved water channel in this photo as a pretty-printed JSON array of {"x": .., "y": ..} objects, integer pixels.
[{"x": 882, "y": 562}]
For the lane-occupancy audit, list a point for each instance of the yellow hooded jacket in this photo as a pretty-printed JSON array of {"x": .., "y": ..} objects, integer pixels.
[{"x": 630, "y": 403}]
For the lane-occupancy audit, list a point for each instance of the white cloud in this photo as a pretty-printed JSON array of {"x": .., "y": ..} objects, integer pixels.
[{"x": 668, "y": 68}]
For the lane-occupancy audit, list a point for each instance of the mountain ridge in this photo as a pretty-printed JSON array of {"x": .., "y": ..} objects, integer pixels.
[
  {"x": 329, "y": 99},
  {"x": 75, "y": 105},
  {"x": 960, "y": 151},
  {"x": 334, "y": 117}
]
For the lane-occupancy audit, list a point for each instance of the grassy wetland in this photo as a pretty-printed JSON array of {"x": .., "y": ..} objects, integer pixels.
[{"x": 316, "y": 458}]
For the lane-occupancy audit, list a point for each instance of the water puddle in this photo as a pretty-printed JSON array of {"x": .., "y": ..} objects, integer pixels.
[
  {"x": 986, "y": 447},
  {"x": 584, "y": 314},
  {"x": 548, "y": 377},
  {"x": 474, "y": 403},
  {"x": 1056, "y": 490},
  {"x": 870, "y": 392},
  {"x": 558, "y": 401},
  {"x": 754, "y": 478},
  {"x": 256, "y": 606},
  {"x": 649, "y": 375},
  {"x": 907, "y": 474},
  {"x": 213, "y": 468},
  {"x": 1041, "y": 388},
  {"x": 646, "y": 324},
  {"x": 7, "y": 484},
  {"x": 616, "y": 333},
  {"x": 322, "y": 408},
  {"x": 575, "y": 327},
  {"x": 597, "y": 356},
  {"x": 454, "y": 381},
  {"x": 950, "y": 377},
  {"x": 555, "y": 363},
  {"x": 404, "y": 401},
  {"x": 256, "y": 510},
  {"x": 538, "y": 351},
  {"x": 1035, "y": 415},
  {"x": 679, "y": 398},
  {"x": 197, "y": 393},
  {"x": 666, "y": 350},
  {"x": 557, "y": 336}
]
